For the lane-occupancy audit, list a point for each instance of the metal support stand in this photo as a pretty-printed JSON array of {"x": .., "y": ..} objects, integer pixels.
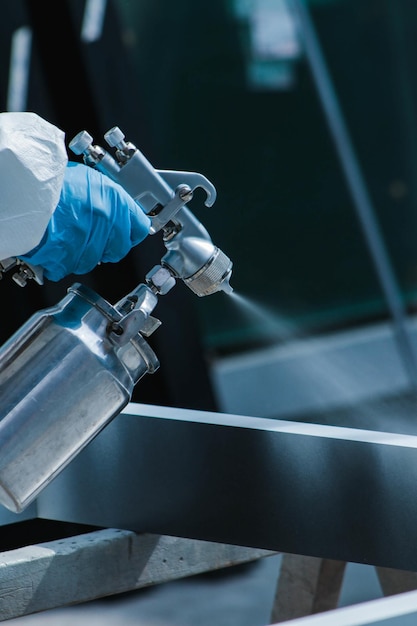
[
  {"x": 102, "y": 563},
  {"x": 308, "y": 586}
]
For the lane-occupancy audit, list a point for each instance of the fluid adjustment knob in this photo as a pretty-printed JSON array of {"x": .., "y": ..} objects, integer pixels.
[
  {"x": 114, "y": 137},
  {"x": 81, "y": 142}
]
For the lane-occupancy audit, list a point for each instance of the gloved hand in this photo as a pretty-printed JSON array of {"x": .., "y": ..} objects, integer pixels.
[{"x": 95, "y": 221}]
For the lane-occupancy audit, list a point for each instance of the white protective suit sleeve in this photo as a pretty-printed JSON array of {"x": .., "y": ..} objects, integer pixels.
[{"x": 33, "y": 160}]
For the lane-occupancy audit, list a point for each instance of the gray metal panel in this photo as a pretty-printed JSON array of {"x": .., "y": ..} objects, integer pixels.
[{"x": 308, "y": 489}]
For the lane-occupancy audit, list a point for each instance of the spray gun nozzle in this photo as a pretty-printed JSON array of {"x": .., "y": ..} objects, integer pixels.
[{"x": 226, "y": 286}]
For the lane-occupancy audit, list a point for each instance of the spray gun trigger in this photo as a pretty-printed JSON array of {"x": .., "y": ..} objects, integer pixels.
[
  {"x": 164, "y": 214},
  {"x": 193, "y": 179}
]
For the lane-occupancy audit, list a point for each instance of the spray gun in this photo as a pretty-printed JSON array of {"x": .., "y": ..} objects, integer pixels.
[
  {"x": 163, "y": 194},
  {"x": 67, "y": 372}
]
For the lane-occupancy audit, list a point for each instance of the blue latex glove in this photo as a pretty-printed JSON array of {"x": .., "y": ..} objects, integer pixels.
[{"x": 95, "y": 221}]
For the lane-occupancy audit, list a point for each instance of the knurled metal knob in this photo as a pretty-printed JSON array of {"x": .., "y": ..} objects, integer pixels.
[
  {"x": 114, "y": 137},
  {"x": 81, "y": 142}
]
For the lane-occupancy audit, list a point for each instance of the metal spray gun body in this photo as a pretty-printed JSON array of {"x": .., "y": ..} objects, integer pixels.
[
  {"x": 67, "y": 372},
  {"x": 163, "y": 194}
]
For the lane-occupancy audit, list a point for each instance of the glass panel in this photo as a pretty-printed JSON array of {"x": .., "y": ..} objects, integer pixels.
[{"x": 228, "y": 92}]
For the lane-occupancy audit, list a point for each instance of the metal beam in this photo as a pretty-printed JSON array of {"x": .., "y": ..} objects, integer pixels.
[{"x": 324, "y": 491}]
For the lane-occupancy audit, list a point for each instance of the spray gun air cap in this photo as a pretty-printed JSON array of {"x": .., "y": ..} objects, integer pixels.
[{"x": 214, "y": 276}]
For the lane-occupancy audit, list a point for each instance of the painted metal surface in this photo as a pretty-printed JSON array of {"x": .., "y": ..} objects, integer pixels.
[{"x": 325, "y": 491}]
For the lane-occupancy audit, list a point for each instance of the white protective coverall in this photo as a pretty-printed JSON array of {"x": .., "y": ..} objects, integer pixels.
[{"x": 33, "y": 159}]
